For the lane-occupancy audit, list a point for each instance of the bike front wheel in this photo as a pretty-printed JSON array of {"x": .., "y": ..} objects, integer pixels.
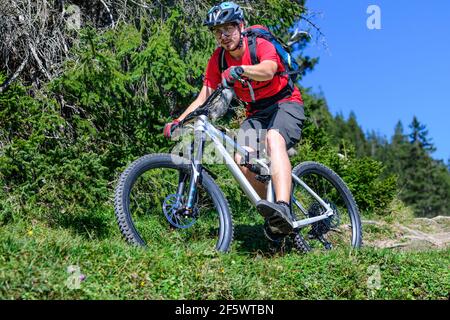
[
  {"x": 343, "y": 228},
  {"x": 149, "y": 201}
]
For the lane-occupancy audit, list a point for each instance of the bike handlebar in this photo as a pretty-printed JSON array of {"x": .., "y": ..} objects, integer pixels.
[{"x": 204, "y": 109}]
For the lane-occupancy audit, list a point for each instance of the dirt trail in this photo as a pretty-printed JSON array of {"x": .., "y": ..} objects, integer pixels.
[{"x": 418, "y": 234}]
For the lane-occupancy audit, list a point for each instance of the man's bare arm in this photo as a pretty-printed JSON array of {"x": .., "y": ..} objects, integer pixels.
[
  {"x": 201, "y": 98},
  {"x": 262, "y": 71}
]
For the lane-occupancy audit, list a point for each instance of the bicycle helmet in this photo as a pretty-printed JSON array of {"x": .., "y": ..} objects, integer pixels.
[{"x": 225, "y": 12}]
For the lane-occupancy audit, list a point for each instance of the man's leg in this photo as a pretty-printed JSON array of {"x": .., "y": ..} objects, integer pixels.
[
  {"x": 278, "y": 214},
  {"x": 287, "y": 125},
  {"x": 284, "y": 130},
  {"x": 280, "y": 165}
]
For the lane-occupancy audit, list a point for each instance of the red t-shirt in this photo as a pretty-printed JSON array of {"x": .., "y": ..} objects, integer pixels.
[{"x": 262, "y": 89}]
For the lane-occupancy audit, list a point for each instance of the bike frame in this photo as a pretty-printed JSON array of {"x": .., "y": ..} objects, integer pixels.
[{"x": 203, "y": 128}]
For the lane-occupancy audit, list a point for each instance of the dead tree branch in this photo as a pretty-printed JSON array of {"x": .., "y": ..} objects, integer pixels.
[
  {"x": 109, "y": 12},
  {"x": 39, "y": 62},
  {"x": 11, "y": 79}
]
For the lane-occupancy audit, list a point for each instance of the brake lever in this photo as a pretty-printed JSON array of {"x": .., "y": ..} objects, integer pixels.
[{"x": 250, "y": 88}]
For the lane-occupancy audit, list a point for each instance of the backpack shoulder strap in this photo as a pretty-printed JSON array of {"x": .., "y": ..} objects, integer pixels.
[
  {"x": 251, "y": 39},
  {"x": 222, "y": 61},
  {"x": 252, "y": 47}
]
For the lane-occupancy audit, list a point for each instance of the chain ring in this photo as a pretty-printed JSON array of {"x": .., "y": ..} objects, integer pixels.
[{"x": 271, "y": 236}]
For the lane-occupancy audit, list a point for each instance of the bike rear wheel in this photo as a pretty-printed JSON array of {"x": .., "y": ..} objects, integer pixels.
[
  {"x": 341, "y": 229},
  {"x": 149, "y": 200}
]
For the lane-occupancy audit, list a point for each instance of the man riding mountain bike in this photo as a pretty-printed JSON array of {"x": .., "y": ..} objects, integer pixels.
[{"x": 272, "y": 103}]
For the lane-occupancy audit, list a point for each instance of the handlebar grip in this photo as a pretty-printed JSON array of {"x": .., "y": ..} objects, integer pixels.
[{"x": 175, "y": 126}]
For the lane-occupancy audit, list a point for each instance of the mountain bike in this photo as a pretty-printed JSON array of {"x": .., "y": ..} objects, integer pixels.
[{"x": 168, "y": 196}]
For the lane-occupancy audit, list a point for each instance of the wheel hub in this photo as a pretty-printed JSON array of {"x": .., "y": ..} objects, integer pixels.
[{"x": 321, "y": 227}]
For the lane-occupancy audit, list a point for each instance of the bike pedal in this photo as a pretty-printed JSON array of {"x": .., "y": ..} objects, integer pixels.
[
  {"x": 280, "y": 224},
  {"x": 275, "y": 218}
]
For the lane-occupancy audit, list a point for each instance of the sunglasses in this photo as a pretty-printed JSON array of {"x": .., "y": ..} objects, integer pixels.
[{"x": 226, "y": 31}]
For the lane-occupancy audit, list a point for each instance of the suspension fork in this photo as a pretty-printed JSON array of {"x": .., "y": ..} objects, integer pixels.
[
  {"x": 196, "y": 161},
  {"x": 181, "y": 183}
]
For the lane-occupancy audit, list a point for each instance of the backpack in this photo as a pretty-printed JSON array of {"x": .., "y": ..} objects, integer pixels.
[{"x": 291, "y": 67}]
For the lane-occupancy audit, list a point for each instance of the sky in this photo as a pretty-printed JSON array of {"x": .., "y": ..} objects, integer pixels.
[{"x": 389, "y": 74}]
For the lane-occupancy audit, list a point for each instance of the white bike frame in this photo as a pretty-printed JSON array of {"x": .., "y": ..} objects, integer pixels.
[{"x": 204, "y": 128}]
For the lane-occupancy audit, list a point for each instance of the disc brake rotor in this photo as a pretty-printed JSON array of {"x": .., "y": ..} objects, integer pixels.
[{"x": 176, "y": 213}]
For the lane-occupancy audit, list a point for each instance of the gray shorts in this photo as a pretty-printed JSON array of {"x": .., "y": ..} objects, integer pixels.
[{"x": 286, "y": 117}]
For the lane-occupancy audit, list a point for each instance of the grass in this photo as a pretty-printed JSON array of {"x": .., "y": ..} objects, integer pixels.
[{"x": 35, "y": 258}]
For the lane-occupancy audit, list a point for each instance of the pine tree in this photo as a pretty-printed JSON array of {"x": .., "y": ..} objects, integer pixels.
[
  {"x": 377, "y": 146},
  {"x": 419, "y": 135},
  {"x": 355, "y": 135},
  {"x": 399, "y": 136},
  {"x": 397, "y": 152},
  {"x": 424, "y": 182}
]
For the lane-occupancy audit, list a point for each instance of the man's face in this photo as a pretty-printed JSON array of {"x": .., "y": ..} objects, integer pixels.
[{"x": 227, "y": 35}]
